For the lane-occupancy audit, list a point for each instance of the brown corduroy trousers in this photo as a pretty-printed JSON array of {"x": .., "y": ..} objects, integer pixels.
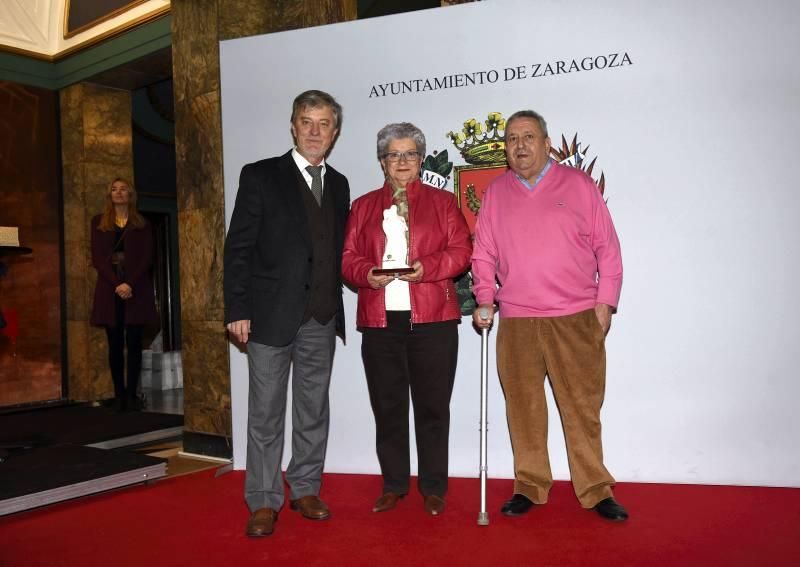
[{"x": 570, "y": 350}]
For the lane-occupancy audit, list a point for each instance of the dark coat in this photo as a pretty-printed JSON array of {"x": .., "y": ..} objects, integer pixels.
[
  {"x": 268, "y": 254},
  {"x": 139, "y": 309}
]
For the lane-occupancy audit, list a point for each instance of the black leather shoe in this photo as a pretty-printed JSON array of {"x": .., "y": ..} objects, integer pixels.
[
  {"x": 612, "y": 510},
  {"x": 517, "y": 506}
]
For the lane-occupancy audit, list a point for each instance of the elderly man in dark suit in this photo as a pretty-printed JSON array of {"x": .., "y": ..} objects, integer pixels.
[{"x": 283, "y": 298}]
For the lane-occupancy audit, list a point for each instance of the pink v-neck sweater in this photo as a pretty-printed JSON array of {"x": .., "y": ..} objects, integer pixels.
[{"x": 554, "y": 249}]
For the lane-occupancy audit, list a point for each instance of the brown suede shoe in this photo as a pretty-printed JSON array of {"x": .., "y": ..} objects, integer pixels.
[
  {"x": 261, "y": 522},
  {"x": 311, "y": 507},
  {"x": 434, "y": 505},
  {"x": 387, "y": 501}
]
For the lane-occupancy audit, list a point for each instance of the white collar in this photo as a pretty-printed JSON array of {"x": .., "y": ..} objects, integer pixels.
[{"x": 303, "y": 163}]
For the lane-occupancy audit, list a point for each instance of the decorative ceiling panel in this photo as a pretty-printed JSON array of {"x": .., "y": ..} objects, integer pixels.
[
  {"x": 26, "y": 23},
  {"x": 81, "y": 15},
  {"x": 36, "y": 27}
]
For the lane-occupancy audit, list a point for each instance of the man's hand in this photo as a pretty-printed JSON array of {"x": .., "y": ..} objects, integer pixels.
[
  {"x": 416, "y": 276},
  {"x": 124, "y": 291},
  {"x": 240, "y": 330},
  {"x": 478, "y": 318},
  {"x": 377, "y": 282},
  {"x": 603, "y": 313}
]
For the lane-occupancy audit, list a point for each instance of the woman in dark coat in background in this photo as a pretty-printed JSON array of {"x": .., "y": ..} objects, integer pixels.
[{"x": 122, "y": 254}]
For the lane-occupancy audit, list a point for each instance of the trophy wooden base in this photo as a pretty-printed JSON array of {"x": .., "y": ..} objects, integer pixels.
[{"x": 393, "y": 272}]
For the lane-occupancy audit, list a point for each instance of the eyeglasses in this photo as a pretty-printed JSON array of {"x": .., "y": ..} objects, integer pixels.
[{"x": 393, "y": 157}]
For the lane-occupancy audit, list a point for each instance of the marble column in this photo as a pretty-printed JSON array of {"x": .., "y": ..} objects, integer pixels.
[
  {"x": 197, "y": 28},
  {"x": 96, "y": 147}
]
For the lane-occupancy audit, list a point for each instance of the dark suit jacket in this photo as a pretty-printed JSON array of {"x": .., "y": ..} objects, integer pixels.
[
  {"x": 139, "y": 309},
  {"x": 268, "y": 249}
]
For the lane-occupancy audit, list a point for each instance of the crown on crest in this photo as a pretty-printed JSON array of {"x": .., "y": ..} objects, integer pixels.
[{"x": 479, "y": 147}]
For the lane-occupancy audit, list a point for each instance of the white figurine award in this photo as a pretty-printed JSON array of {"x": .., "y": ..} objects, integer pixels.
[{"x": 395, "y": 256}]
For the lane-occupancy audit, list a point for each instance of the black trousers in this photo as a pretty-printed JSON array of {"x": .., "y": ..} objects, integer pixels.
[
  {"x": 119, "y": 337},
  {"x": 421, "y": 359}
]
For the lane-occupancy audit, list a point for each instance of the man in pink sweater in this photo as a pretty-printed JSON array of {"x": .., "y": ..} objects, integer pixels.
[{"x": 544, "y": 233}]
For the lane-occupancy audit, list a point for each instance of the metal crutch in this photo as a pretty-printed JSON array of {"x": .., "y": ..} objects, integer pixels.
[{"x": 483, "y": 516}]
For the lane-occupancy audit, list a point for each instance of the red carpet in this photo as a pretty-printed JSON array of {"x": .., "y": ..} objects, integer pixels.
[{"x": 199, "y": 520}]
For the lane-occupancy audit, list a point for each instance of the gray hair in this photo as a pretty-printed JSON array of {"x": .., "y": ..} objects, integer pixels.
[
  {"x": 399, "y": 131},
  {"x": 317, "y": 99},
  {"x": 529, "y": 114}
]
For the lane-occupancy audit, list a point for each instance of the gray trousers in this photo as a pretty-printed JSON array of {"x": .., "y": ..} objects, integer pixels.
[{"x": 310, "y": 355}]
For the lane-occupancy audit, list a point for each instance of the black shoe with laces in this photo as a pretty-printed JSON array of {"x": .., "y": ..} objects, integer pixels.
[
  {"x": 612, "y": 510},
  {"x": 517, "y": 506}
]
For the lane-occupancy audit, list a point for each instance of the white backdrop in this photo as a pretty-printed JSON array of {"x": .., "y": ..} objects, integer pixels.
[{"x": 697, "y": 141}]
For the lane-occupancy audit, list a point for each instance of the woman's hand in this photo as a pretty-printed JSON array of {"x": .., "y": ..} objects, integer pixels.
[
  {"x": 416, "y": 275},
  {"x": 378, "y": 282},
  {"x": 124, "y": 291}
]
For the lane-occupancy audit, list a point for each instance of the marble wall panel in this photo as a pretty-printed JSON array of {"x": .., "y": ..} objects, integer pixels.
[
  {"x": 72, "y": 175},
  {"x": 107, "y": 125},
  {"x": 195, "y": 51},
  {"x": 71, "y": 117},
  {"x": 201, "y": 233},
  {"x": 89, "y": 376},
  {"x": 206, "y": 394},
  {"x": 200, "y": 198},
  {"x": 78, "y": 298},
  {"x": 101, "y": 385},
  {"x": 198, "y": 149},
  {"x": 76, "y": 224},
  {"x": 78, "y": 288},
  {"x": 78, "y": 356},
  {"x": 242, "y": 18}
]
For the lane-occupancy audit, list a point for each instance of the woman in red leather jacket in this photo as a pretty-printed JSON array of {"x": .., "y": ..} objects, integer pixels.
[{"x": 408, "y": 322}]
